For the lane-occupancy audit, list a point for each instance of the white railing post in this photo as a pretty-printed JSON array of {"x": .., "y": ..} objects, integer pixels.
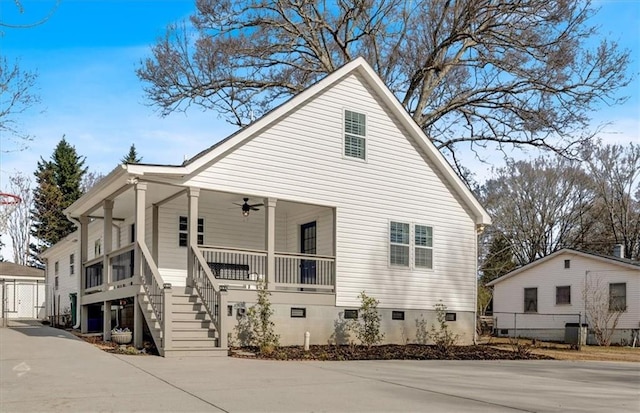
[
  {"x": 270, "y": 240},
  {"x": 141, "y": 192},
  {"x": 222, "y": 323},
  {"x": 193, "y": 196},
  {"x": 166, "y": 316},
  {"x": 138, "y": 319},
  {"x": 107, "y": 245}
]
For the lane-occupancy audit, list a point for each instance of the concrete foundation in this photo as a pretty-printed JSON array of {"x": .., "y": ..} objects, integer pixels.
[{"x": 328, "y": 323}]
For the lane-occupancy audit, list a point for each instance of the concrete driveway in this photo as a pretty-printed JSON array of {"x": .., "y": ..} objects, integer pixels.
[{"x": 43, "y": 369}]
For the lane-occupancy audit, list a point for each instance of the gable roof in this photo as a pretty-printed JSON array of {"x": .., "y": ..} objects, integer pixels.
[
  {"x": 11, "y": 269},
  {"x": 360, "y": 66},
  {"x": 604, "y": 258}
]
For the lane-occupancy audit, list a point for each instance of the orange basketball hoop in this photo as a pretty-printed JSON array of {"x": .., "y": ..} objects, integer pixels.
[
  {"x": 8, "y": 204},
  {"x": 9, "y": 199}
]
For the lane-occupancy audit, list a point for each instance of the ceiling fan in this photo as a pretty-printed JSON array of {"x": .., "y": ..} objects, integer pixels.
[{"x": 246, "y": 207}]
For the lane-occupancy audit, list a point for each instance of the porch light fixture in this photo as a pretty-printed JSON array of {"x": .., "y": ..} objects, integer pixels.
[{"x": 245, "y": 211}]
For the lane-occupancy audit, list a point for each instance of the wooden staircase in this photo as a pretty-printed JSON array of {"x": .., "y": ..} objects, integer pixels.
[{"x": 192, "y": 332}]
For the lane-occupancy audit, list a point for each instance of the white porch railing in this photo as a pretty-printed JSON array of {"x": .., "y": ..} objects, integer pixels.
[
  {"x": 152, "y": 283},
  {"x": 207, "y": 288},
  {"x": 234, "y": 264},
  {"x": 305, "y": 272},
  {"x": 242, "y": 267}
]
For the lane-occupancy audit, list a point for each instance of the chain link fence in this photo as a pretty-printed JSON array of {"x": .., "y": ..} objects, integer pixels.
[{"x": 544, "y": 327}]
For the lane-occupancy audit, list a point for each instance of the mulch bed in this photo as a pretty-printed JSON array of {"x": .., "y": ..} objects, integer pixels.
[{"x": 386, "y": 352}]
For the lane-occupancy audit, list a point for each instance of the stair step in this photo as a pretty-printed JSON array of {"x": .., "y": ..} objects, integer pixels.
[
  {"x": 191, "y": 324},
  {"x": 191, "y": 333},
  {"x": 197, "y": 352}
]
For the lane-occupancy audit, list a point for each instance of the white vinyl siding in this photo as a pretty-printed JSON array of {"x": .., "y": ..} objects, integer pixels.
[
  {"x": 546, "y": 276},
  {"x": 299, "y": 160},
  {"x": 355, "y": 132}
]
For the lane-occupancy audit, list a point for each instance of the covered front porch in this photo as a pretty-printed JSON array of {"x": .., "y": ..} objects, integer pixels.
[{"x": 156, "y": 238}]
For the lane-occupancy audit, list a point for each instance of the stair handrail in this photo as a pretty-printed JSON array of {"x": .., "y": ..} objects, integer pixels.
[
  {"x": 207, "y": 287},
  {"x": 152, "y": 285}
]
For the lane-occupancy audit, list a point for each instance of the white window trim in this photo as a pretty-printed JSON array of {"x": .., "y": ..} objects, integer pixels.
[
  {"x": 365, "y": 136},
  {"x": 412, "y": 246}
]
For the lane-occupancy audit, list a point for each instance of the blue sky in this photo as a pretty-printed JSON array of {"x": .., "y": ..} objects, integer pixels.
[{"x": 86, "y": 55}]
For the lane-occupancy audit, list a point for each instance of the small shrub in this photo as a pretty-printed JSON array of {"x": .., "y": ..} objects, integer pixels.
[
  {"x": 367, "y": 327},
  {"x": 443, "y": 339},
  {"x": 261, "y": 328},
  {"x": 422, "y": 333}
]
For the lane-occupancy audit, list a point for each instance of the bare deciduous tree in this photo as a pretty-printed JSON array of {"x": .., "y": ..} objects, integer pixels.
[
  {"x": 603, "y": 313},
  {"x": 541, "y": 206},
  {"x": 17, "y": 91},
  {"x": 473, "y": 72},
  {"x": 19, "y": 222},
  {"x": 615, "y": 170}
]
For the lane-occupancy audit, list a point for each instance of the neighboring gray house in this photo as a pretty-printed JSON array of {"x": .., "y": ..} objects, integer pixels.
[
  {"x": 538, "y": 299},
  {"x": 334, "y": 192},
  {"x": 22, "y": 290}
]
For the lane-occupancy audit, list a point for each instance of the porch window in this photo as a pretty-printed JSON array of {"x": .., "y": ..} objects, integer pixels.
[
  {"x": 563, "y": 295},
  {"x": 55, "y": 282},
  {"x": 354, "y": 135},
  {"x": 183, "y": 231},
  {"x": 71, "y": 264},
  {"x": 530, "y": 300},
  {"x": 97, "y": 248},
  {"x": 618, "y": 297},
  {"x": 424, "y": 246},
  {"x": 399, "y": 244}
]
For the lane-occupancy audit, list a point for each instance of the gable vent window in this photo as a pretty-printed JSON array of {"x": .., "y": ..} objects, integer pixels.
[
  {"x": 354, "y": 135},
  {"x": 567, "y": 264}
]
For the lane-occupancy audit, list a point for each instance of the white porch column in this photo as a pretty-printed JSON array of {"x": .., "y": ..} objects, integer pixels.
[
  {"x": 193, "y": 196},
  {"x": 138, "y": 319},
  {"x": 270, "y": 239},
  {"x": 107, "y": 235},
  {"x": 106, "y": 321},
  {"x": 155, "y": 225},
  {"x": 82, "y": 314},
  {"x": 141, "y": 197}
]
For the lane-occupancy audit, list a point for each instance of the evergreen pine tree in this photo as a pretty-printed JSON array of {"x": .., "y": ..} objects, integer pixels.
[
  {"x": 499, "y": 259},
  {"x": 132, "y": 156},
  {"x": 58, "y": 186}
]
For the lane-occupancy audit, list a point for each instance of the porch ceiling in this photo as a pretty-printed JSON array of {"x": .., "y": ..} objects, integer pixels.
[{"x": 124, "y": 204}]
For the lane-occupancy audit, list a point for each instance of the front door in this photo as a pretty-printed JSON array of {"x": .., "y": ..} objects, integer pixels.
[{"x": 308, "y": 246}]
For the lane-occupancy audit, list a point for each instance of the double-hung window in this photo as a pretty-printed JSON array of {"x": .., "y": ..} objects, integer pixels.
[
  {"x": 617, "y": 297},
  {"x": 355, "y": 132},
  {"x": 530, "y": 300},
  {"x": 183, "y": 231},
  {"x": 423, "y": 246},
  {"x": 399, "y": 240},
  {"x": 71, "y": 264},
  {"x": 563, "y": 295},
  {"x": 410, "y": 245}
]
